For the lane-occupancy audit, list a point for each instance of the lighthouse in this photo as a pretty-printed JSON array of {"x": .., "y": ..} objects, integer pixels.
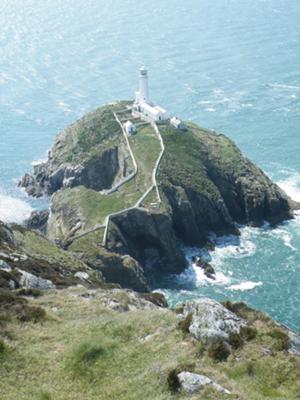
[
  {"x": 143, "y": 107},
  {"x": 142, "y": 96}
]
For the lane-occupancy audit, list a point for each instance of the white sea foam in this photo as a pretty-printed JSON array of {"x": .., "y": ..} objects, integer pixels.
[
  {"x": 12, "y": 209},
  {"x": 291, "y": 186},
  {"x": 246, "y": 285}
]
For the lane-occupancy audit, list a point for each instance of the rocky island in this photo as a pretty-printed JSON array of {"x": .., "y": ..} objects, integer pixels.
[{"x": 77, "y": 317}]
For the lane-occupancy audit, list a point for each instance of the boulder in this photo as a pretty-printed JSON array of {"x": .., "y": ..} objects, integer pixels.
[
  {"x": 28, "y": 280},
  {"x": 211, "y": 321},
  {"x": 194, "y": 383}
]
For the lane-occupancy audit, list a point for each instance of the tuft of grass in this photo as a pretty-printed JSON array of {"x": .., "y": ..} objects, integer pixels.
[
  {"x": 27, "y": 313},
  {"x": 30, "y": 292},
  {"x": 45, "y": 396},
  {"x": 185, "y": 323},
  {"x": 218, "y": 351}
]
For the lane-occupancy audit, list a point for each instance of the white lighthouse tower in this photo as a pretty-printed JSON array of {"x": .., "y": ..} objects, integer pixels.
[
  {"x": 143, "y": 107},
  {"x": 142, "y": 96}
]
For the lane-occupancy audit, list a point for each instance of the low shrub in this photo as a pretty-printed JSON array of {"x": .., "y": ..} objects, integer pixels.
[
  {"x": 185, "y": 323},
  {"x": 282, "y": 339},
  {"x": 218, "y": 351},
  {"x": 88, "y": 353},
  {"x": 235, "y": 340},
  {"x": 2, "y": 347},
  {"x": 26, "y": 313},
  {"x": 200, "y": 349},
  {"x": 248, "y": 332},
  {"x": 45, "y": 396},
  {"x": 173, "y": 381},
  {"x": 7, "y": 297},
  {"x": 30, "y": 292}
]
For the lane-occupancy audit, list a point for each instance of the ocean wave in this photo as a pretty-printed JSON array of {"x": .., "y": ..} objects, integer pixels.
[
  {"x": 277, "y": 85},
  {"x": 246, "y": 285},
  {"x": 291, "y": 185},
  {"x": 194, "y": 275},
  {"x": 13, "y": 210}
]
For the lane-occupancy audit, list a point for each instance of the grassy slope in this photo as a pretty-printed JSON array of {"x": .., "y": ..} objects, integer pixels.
[
  {"x": 89, "y": 136},
  {"x": 93, "y": 206},
  {"x": 86, "y": 351},
  {"x": 185, "y": 154}
]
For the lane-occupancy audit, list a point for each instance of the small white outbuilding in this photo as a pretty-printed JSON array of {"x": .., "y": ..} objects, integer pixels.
[
  {"x": 177, "y": 123},
  {"x": 129, "y": 128}
]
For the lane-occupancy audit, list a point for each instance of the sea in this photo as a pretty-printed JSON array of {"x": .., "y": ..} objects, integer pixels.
[{"x": 229, "y": 65}]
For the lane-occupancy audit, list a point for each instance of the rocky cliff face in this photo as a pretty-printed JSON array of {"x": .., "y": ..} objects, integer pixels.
[
  {"x": 209, "y": 186},
  {"x": 148, "y": 237},
  {"x": 90, "y": 152}
]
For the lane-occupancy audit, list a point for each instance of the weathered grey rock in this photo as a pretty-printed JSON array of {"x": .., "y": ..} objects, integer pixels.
[
  {"x": 82, "y": 275},
  {"x": 38, "y": 220},
  {"x": 4, "y": 266},
  {"x": 149, "y": 238},
  {"x": 193, "y": 383},
  {"x": 294, "y": 345},
  {"x": 211, "y": 321},
  {"x": 28, "y": 280}
]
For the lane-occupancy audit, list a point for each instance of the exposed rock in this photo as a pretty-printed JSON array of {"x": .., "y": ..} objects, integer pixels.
[
  {"x": 82, "y": 155},
  {"x": 38, "y": 220},
  {"x": 122, "y": 270},
  {"x": 207, "y": 268},
  {"x": 121, "y": 300},
  {"x": 82, "y": 275},
  {"x": 4, "y": 266},
  {"x": 156, "y": 298},
  {"x": 210, "y": 185},
  {"x": 31, "y": 281},
  {"x": 211, "y": 321},
  {"x": 294, "y": 345},
  {"x": 6, "y": 234},
  {"x": 194, "y": 383},
  {"x": 149, "y": 238}
]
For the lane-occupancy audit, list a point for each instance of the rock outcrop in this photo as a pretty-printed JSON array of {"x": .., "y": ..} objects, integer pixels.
[
  {"x": 194, "y": 383},
  {"x": 211, "y": 321}
]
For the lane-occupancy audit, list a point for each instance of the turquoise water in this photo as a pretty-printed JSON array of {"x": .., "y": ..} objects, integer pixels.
[{"x": 229, "y": 65}]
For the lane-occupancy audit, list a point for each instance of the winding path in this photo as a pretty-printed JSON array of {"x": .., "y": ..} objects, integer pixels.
[{"x": 137, "y": 205}]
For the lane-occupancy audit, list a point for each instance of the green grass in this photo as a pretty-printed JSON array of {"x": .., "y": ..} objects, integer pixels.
[
  {"x": 87, "y": 351},
  {"x": 89, "y": 136},
  {"x": 196, "y": 149},
  {"x": 94, "y": 206}
]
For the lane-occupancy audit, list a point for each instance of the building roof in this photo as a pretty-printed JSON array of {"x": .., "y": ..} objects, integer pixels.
[{"x": 154, "y": 110}]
